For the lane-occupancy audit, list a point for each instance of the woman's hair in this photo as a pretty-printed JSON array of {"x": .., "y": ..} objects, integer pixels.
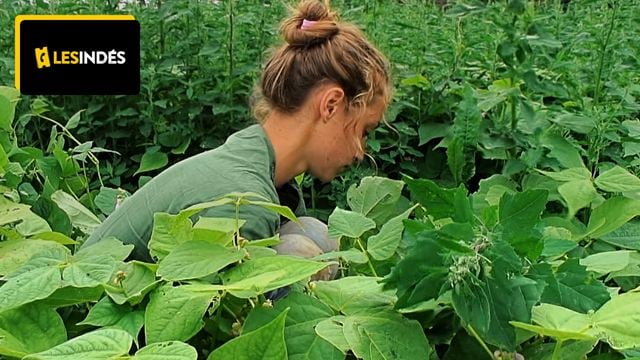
[{"x": 319, "y": 48}]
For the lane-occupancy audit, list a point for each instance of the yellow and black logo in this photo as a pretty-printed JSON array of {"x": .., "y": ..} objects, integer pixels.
[{"x": 52, "y": 59}]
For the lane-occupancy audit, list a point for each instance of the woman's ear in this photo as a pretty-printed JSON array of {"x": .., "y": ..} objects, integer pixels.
[{"x": 331, "y": 98}]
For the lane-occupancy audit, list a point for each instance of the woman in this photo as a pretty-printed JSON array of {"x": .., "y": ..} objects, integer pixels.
[{"x": 319, "y": 95}]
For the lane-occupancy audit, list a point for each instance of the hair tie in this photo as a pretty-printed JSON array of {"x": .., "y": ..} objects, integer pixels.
[{"x": 306, "y": 24}]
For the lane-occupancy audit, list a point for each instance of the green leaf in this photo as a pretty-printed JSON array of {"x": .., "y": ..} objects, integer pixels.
[
  {"x": 331, "y": 331},
  {"x": 355, "y": 294},
  {"x": 85, "y": 270},
  {"x": 375, "y": 197},
  {"x": 305, "y": 312},
  {"x": 168, "y": 232},
  {"x": 98, "y": 344},
  {"x": 420, "y": 275},
  {"x": 11, "y": 212},
  {"x": 80, "y": 216},
  {"x": 30, "y": 286},
  {"x": 265, "y": 343},
  {"x": 562, "y": 150},
  {"x": 109, "y": 246},
  {"x": 455, "y": 160},
  {"x": 608, "y": 261},
  {"x": 570, "y": 286},
  {"x": 630, "y": 148},
  {"x": 107, "y": 314},
  {"x": 54, "y": 236},
  {"x": 577, "y": 194},
  {"x": 8, "y": 99},
  {"x": 573, "y": 174},
  {"x": 69, "y": 295},
  {"x": 107, "y": 199},
  {"x": 260, "y": 275},
  {"x": 557, "y": 322},
  {"x": 29, "y": 329},
  {"x": 196, "y": 259},
  {"x": 430, "y": 131},
  {"x": 384, "y": 244},
  {"x": 348, "y": 223},
  {"x": 131, "y": 282},
  {"x": 462, "y": 150},
  {"x": 612, "y": 214},
  {"x": 14, "y": 253},
  {"x": 438, "y": 202},
  {"x": 579, "y": 124},
  {"x": 175, "y": 313},
  {"x": 571, "y": 349},
  {"x": 518, "y": 214},
  {"x": 632, "y": 127},
  {"x": 385, "y": 335},
  {"x": 627, "y": 236},
  {"x": 74, "y": 121},
  {"x": 279, "y": 209},
  {"x": 152, "y": 161},
  {"x": 618, "y": 321},
  {"x": 170, "y": 350},
  {"x": 618, "y": 179}
]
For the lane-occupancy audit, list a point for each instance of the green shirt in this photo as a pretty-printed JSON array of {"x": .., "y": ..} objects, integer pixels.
[{"x": 244, "y": 163}]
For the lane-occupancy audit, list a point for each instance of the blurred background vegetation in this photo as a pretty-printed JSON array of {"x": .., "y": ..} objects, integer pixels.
[{"x": 481, "y": 88}]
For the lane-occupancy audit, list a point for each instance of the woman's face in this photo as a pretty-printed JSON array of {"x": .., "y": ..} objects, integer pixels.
[{"x": 341, "y": 140}]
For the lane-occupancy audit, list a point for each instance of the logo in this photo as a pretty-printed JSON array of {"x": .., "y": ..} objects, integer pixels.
[
  {"x": 52, "y": 60},
  {"x": 42, "y": 57}
]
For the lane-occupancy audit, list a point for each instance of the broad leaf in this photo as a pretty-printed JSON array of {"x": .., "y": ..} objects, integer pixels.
[
  {"x": 384, "y": 244},
  {"x": 14, "y": 253},
  {"x": 80, "y": 216},
  {"x": 98, "y": 344},
  {"x": 305, "y": 312},
  {"x": 557, "y": 322},
  {"x": 30, "y": 286},
  {"x": 175, "y": 313},
  {"x": 570, "y": 286},
  {"x": 257, "y": 276},
  {"x": 170, "y": 350},
  {"x": 170, "y": 231},
  {"x": 152, "y": 161},
  {"x": 618, "y": 179},
  {"x": 196, "y": 259},
  {"x": 30, "y": 329},
  {"x": 618, "y": 321},
  {"x": 577, "y": 194},
  {"x": 355, "y": 294},
  {"x": 131, "y": 282},
  {"x": 607, "y": 261},
  {"x": 348, "y": 223},
  {"x": 385, "y": 335},
  {"x": 612, "y": 214},
  {"x": 375, "y": 198},
  {"x": 627, "y": 236},
  {"x": 110, "y": 246},
  {"x": 265, "y": 343},
  {"x": 107, "y": 314}
]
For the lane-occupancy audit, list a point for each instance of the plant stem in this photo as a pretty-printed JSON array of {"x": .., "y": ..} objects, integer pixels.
[
  {"x": 482, "y": 343},
  {"x": 367, "y": 256},
  {"x": 596, "y": 96},
  {"x": 236, "y": 236},
  {"x": 556, "y": 351}
]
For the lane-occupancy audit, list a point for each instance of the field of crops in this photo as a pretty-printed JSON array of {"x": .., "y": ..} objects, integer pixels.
[{"x": 496, "y": 218}]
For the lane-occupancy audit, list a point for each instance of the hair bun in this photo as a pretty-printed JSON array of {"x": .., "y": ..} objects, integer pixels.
[{"x": 320, "y": 24}]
